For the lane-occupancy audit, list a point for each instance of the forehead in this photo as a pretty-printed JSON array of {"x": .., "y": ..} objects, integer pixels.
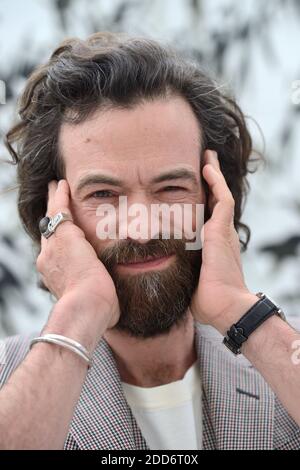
[{"x": 150, "y": 136}]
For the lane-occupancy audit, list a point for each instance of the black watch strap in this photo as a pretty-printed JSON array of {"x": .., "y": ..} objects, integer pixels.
[{"x": 252, "y": 319}]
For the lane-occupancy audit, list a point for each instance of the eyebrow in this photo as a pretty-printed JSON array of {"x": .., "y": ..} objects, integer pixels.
[
  {"x": 97, "y": 179},
  {"x": 178, "y": 173}
]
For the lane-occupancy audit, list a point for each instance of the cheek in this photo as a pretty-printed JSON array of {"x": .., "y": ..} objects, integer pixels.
[
  {"x": 86, "y": 219},
  {"x": 198, "y": 214}
]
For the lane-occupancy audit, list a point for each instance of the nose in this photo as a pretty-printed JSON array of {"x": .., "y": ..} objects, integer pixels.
[{"x": 135, "y": 218}]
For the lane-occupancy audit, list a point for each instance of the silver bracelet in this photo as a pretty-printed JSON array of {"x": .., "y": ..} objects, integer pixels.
[{"x": 65, "y": 342}]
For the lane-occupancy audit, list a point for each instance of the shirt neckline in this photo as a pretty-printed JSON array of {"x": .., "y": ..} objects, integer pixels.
[{"x": 167, "y": 395}]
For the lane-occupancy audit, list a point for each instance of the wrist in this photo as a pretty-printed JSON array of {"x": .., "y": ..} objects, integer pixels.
[
  {"x": 80, "y": 318},
  {"x": 271, "y": 333},
  {"x": 237, "y": 308}
]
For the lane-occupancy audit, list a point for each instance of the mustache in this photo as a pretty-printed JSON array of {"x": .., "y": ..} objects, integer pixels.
[{"x": 128, "y": 251}]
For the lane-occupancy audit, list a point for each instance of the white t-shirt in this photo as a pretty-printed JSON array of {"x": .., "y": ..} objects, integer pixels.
[{"x": 169, "y": 416}]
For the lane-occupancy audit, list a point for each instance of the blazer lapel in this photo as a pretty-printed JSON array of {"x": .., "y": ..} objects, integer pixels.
[
  {"x": 238, "y": 405},
  {"x": 102, "y": 418}
]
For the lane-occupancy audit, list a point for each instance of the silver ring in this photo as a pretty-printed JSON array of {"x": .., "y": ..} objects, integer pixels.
[{"x": 48, "y": 225}]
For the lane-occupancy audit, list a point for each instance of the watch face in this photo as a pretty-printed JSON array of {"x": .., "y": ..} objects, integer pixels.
[
  {"x": 279, "y": 311},
  {"x": 268, "y": 297},
  {"x": 264, "y": 296}
]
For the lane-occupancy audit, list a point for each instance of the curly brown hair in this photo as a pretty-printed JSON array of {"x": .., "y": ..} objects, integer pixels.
[{"x": 116, "y": 70}]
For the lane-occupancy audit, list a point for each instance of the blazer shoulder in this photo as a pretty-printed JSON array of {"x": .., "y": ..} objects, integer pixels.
[{"x": 13, "y": 350}]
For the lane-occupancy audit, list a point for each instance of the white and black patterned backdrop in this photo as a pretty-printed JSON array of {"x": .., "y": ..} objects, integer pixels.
[{"x": 252, "y": 47}]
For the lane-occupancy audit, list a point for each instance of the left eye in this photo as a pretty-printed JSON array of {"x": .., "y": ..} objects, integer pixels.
[
  {"x": 102, "y": 194},
  {"x": 173, "y": 188}
]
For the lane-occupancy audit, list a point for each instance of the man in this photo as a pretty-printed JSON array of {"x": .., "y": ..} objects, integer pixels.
[{"x": 114, "y": 117}]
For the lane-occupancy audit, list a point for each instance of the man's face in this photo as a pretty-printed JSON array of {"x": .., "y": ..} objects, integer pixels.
[{"x": 151, "y": 155}]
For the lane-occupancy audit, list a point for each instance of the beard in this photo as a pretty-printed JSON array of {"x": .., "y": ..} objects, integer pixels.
[{"x": 152, "y": 302}]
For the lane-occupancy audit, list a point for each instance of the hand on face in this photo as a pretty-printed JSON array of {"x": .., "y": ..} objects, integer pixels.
[
  {"x": 69, "y": 264},
  {"x": 222, "y": 293}
]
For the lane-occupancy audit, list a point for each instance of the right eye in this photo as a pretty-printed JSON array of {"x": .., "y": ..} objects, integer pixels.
[{"x": 104, "y": 193}]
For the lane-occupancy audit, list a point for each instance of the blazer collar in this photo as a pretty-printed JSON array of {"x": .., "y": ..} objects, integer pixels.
[{"x": 237, "y": 404}]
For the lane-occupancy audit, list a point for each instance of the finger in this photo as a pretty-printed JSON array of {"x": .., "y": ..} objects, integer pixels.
[
  {"x": 62, "y": 197},
  {"x": 217, "y": 182},
  {"x": 62, "y": 203},
  {"x": 52, "y": 185},
  {"x": 43, "y": 242},
  {"x": 223, "y": 209},
  {"x": 211, "y": 156},
  {"x": 58, "y": 201}
]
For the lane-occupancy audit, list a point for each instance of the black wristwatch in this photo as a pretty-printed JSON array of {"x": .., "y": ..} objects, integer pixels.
[{"x": 239, "y": 332}]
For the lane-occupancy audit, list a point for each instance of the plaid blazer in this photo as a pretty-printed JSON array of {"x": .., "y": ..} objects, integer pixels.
[{"x": 240, "y": 411}]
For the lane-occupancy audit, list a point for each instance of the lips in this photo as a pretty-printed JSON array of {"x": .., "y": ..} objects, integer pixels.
[
  {"x": 143, "y": 260},
  {"x": 150, "y": 262}
]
